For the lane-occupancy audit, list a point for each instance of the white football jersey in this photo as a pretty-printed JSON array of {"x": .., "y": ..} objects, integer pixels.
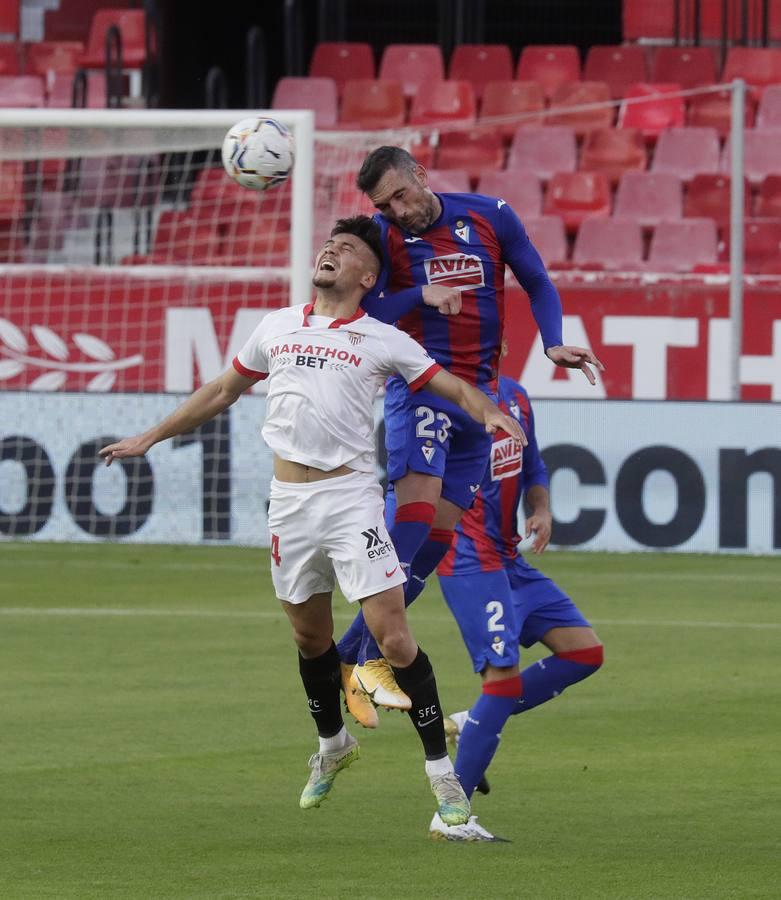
[{"x": 324, "y": 375}]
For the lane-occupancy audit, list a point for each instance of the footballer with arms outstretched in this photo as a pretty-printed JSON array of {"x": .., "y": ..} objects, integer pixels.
[
  {"x": 436, "y": 455},
  {"x": 325, "y": 363}
]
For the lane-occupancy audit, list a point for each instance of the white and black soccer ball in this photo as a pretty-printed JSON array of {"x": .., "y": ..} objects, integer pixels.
[{"x": 258, "y": 153}]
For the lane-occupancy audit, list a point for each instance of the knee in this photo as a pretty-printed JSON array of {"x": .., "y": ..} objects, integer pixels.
[
  {"x": 310, "y": 643},
  {"x": 394, "y": 644}
]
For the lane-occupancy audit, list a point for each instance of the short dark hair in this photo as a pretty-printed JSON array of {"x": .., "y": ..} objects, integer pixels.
[
  {"x": 364, "y": 228},
  {"x": 379, "y": 161}
]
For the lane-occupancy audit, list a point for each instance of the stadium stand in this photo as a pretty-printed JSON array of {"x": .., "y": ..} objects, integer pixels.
[
  {"x": 649, "y": 198},
  {"x": 587, "y": 94},
  {"x": 614, "y": 151},
  {"x": 549, "y": 237},
  {"x": 317, "y": 94},
  {"x": 681, "y": 246},
  {"x": 342, "y": 61},
  {"x": 480, "y": 64},
  {"x": 686, "y": 152},
  {"x": 654, "y": 115},
  {"x": 513, "y": 98},
  {"x": 577, "y": 196},
  {"x": 714, "y": 110},
  {"x": 768, "y": 202},
  {"x": 618, "y": 66},
  {"x": 131, "y": 24},
  {"x": 609, "y": 244},
  {"x": 691, "y": 67},
  {"x": 761, "y": 245},
  {"x": 10, "y": 62},
  {"x": 443, "y": 101},
  {"x": 413, "y": 65},
  {"x": 20, "y": 91},
  {"x": 708, "y": 196},
  {"x": 550, "y": 65},
  {"x": 52, "y": 58},
  {"x": 372, "y": 104},
  {"x": 522, "y": 190},
  {"x": 546, "y": 150},
  {"x": 769, "y": 111},
  {"x": 475, "y": 151},
  {"x": 761, "y": 155},
  {"x": 757, "y": 66},
  {"x": 449, "y": 181}
]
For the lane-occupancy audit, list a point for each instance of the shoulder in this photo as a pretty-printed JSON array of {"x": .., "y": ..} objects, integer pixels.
[{"x": 478, "y": 203}]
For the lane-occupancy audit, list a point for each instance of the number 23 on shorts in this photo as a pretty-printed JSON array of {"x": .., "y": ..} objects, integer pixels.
[{"x": 426, "y": 418}]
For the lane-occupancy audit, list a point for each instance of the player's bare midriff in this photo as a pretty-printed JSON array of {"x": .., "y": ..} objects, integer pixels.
[{"x": 298, "y": 473}]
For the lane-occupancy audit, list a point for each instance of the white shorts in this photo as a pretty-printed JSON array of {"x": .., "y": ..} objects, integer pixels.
[{"x": 327, "y": 530}]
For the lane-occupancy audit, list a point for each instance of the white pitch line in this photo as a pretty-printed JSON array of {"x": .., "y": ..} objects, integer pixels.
[{"x": 103, "y": 612}]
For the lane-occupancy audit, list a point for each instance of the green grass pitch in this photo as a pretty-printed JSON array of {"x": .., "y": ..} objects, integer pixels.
[{"x": 154, "y": 740}]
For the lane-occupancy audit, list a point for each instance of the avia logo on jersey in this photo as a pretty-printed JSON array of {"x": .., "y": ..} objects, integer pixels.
[
  {"x": 376, "y": 547},
  {"x": 462, "y": 271},
  {"x": 506, "y": 459}
]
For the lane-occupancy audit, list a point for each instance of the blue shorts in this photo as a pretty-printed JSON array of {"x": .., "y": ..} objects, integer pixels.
[
  {"x": 428, "y": 434},
  {"x": 498, "y": 611}
]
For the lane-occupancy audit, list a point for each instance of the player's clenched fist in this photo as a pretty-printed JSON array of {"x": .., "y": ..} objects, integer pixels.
[{"x": 446, "y": 300}]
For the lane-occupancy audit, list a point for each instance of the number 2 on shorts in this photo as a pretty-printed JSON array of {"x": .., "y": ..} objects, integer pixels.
[{"x": 426, "y": 417}]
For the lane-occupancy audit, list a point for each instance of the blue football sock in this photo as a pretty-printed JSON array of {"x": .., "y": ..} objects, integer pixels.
[
  {"x": 548, "y": 677},
  {"x": 480, "y": 735}
]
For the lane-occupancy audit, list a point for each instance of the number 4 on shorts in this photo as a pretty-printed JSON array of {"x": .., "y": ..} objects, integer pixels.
[{"x": 275, "y": 549}]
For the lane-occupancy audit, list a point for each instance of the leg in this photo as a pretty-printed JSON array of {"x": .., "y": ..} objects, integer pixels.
[
  {"x": 385, "y": 616},
  {"x": 318, "y": 662}
]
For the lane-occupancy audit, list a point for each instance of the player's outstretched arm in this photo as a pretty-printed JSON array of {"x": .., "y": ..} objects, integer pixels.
[
  {"x": 475, "y": 402},
  {"x": 207, "y": 402},
  {"x": 575, "y": 358}
]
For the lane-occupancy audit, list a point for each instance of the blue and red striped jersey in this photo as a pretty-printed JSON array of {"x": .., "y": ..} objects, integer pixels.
[
  {"x": 467, "y": 248},
  {"x": 487, "y": 535}
]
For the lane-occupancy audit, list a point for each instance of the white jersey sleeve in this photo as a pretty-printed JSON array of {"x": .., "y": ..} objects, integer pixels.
[
  {"x": 252, "y": 360},
  {"x": 409, "y": 359}
]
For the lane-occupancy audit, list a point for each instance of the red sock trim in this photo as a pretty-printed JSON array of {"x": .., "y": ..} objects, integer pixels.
[
  {"x": 416, "y": 512},
  {"x": 507, "y": 687},
  {"x": 589, "y": 656},
  {"x": 441, "y": 535}
]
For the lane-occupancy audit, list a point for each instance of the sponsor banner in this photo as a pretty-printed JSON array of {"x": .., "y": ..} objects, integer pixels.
[
  {"x": 697, "y": 477},
  {"x": 123, "y": 330}
]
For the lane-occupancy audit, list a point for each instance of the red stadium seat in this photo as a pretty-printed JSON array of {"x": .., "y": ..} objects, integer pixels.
[
  {"x": 60, "y": 93},
  {"x": 10, "y": 59},
  {"x": 685, "y": 152},
  {"x": 708, "y": 196},
  {"x": 317, "y": 94},
  {"x": 652, "y": 116},
  {"x": 21, "y": 91},
  {"x": 443, "y": 101},
  {"x": 481, "y": 63},
  {"x": 413, "y": 65},
  {"x": 11, "y": 191},
  {"x": 342, "y": 61},
  {"x": 768, "y": 205},
  {"x": 513, "y": 99},
  {"x": 549, "y": 237},
  {"x": 449, "y": 181},
  {"x": 544, "y": 150},
  {"x": 619, "y": 66},
  {"x": 48, "y": 58},
  {"x": 769, "y": 112},
  {"x": 9, "y": 19},
  {"x": 179, "y": 239},
  {"x": 690, "y": 67},
  {"x": 579, "y": 93},
  {"x": 761, "y": 154},
  {"x": 132, "y": 29},
  {"x": 346, "y": 199},
  {"x": 682, "y": 245},
  {"x": 550, "y": 65},
  {"x": 249, "y": 242},
  {"x": 715, "y": 111},
  {"x": 614, "y": 151},
  {"x": 761, "y": 244},
  {"x": 757, "y": 66},
  {"x": 642, "y": 19},
  {"x": 576, "y": 196},
  {"x": 521, "y": 190},
  {"x": 372, "y": 105},
  {"x": 649, "y": 198},
  {"x": 609, "y": 244},
  {"x": 474, "y": 151}
]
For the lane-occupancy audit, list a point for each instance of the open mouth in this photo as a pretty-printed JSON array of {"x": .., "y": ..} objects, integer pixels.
[{"x": 327, "y": 265}]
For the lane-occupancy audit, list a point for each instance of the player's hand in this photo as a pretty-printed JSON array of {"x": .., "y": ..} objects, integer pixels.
[
  {"x": 446, "y": 300},
  {"x": 575, "y": 358},
  {"x": 496, "y": 419},
  {"x": 132, "y": 446},
  {"x": 540, "y": 523}
]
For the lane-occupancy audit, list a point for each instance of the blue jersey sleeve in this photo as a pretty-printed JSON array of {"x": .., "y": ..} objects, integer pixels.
[
  {"x": 389, "y": 308},
  {"x": 527, "y": 266},
  {"x": 534, "y": 470}
]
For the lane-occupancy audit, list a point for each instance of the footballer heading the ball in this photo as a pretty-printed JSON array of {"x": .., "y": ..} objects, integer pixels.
[{"x": 258, "y": 153}]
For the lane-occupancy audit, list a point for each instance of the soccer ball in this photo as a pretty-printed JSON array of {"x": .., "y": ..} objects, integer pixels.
[{"x": 258, "y": 153}]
